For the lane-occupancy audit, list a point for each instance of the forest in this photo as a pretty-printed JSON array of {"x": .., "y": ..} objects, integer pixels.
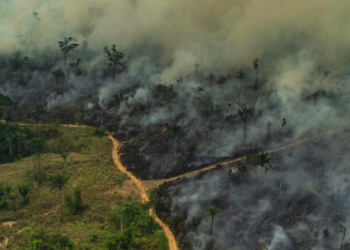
[{"x": 218, "y": 126}]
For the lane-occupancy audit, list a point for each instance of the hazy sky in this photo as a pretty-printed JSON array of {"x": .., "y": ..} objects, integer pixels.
[{"x": 212, "y": 33}]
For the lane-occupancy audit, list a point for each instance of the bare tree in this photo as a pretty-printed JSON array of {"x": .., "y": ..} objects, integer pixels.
[
  {"x": 245, "y": 110},
  {"x": 247, "y": 97}
]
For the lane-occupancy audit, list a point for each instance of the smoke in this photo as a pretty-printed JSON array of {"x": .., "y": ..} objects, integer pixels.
[
  {"x": 187, "y": 63},
  {"x": 280, "y": 239},
  {"x": 218, "y": 36},
  {"x": 301, "y": 202}
]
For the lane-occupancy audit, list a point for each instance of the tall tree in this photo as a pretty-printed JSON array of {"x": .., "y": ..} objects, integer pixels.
[
  {"x": 264, "y": 161},
  {"x": 211, "y": 78},
  {"x": 37, "y": 146},
  {"x": 247, "y": 97},
  {"x": 100, "y": 132},
  {"x": 24, "y": 190},
  {"x": 246, "y": 110},
  {"x": 115, "y": 58},
  {"x": 65, "y": 155},
  {"x": 75, "y": 203},
  {"x": 59, "y": 181},
  {"x": 212, "y": 211},
  {"x": 5, "y": 101},
  {"x": 67, "y": 46}
]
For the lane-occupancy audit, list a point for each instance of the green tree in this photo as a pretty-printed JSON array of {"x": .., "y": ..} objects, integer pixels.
[
  {"x": 9, "y": 195},
  {"x": 114, "y": 57},
  {"x": 24, "y": 190},
  {"x": 192, "y": 147},
  {"x": 20, "y": 138},
  {"x": 9, "y": 139},
  {"x": 75, "y": 203},
  {"x": 65, "y": 156},
  {"x": 59, "y": 181},
  {"x": 67, "y": 46},
  {"x": 37, "y": 146},
  {"x": 100, "y": 132},
  {"x": 264, "y": 161},
  {"x": 212, "y": 211},
  {"x": 5, "y": 102},
  {"x": 13, "y": 197}
]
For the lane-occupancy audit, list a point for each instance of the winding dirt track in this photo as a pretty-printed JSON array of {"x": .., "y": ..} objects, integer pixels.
[
  {"x": 155, "y": 183},
  {"x": 144, "y": 186},
  {"x": 142, "y": 191},
  {"x": 138, "y": 183},
  {"x": 4, "y": 243}
]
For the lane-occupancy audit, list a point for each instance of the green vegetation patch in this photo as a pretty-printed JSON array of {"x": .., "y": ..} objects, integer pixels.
[{"x": 60, "y": 197}]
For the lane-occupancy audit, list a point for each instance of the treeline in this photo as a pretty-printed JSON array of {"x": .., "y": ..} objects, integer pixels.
[{"x": 15, "y": 142}]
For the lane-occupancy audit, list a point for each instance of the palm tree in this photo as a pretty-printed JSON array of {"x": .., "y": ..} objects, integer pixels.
[
  {"x": 66, "y": 46},
  {"x": 65, "y": 156},
  {"x": 100, "y": 132},
  {"x": 264, "y": 161},
  {"x": 24, "y": 190},
  {"x": 59, "y": 181},
  {"x": 212, "y": 211}
]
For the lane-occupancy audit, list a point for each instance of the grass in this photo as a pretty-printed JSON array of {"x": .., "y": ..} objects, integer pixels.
[{"x": 95, "y": 174}]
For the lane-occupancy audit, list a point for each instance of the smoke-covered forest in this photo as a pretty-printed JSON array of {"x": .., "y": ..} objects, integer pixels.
[{"x": 184, "y": 85}]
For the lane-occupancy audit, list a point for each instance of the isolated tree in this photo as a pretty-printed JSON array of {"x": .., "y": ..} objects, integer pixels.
[
  {"x": 59, "y": 181},
  {"x": 222, "y": 80},
  {"x": 264, "y": 161},
  {"x": 256, "y": 65},
  {"x": 343, "y": 230},
  {"x": 12, "y": 197},
  {"x": 268, "y": 130},
  {"x": 212, "y": 211},
  {"x": 8, "y": 195},
  {"x": 65, "y": 156},
  {"x": 241, "y": 75},
  {"x": 115, "y": 58},
  {"x": 245, "y": 110},
  {"x": 192, "y": 147},
  {"x": 24, "y": 190},
  {"x": 4, "y": 196},
  {"x": 100, "y": 132},
  {"x": 37, "y": 146},
  {"x": 247, "y": 97},
  {"x": 75, "y": 203},
  {"x": 284, "y": 123},
  {"x": 67, "y": 46},
  {"x": 211, "y": 78}
]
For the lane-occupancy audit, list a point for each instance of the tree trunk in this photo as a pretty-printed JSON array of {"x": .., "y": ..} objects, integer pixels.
[
  {"x": 19, "y": 148},
  {"x": 114, "y": 71},
  {"x": 65, "y": 62},
  {"x": 14, "y": 205},
  {"x": 245, "y": 128},
  {"x": 62, "y": 204},
  {"x": 211, "y": 228},
  {"x": 342, "y": 243},
  {"x": 99, "y": 151}
]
